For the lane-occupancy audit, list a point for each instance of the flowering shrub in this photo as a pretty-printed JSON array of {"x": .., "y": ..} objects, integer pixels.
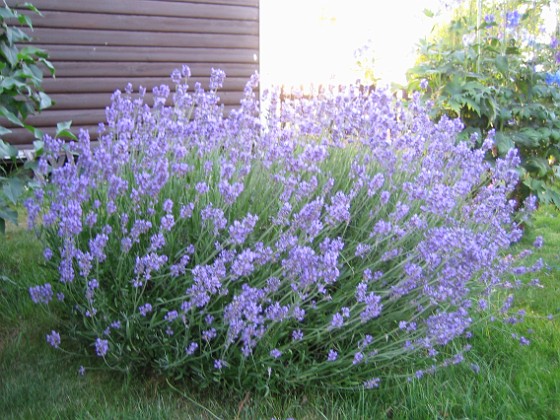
[{"x": 335, "y": 242}]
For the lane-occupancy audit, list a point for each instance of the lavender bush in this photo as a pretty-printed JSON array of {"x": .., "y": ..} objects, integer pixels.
[{"x": 335, "y": 242}]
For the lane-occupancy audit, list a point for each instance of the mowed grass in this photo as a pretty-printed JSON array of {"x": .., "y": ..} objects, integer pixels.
[{"x": 514, "y": 381}]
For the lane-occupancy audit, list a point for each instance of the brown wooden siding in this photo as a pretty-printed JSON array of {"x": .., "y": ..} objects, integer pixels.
[{"x": 98, "y": 46}]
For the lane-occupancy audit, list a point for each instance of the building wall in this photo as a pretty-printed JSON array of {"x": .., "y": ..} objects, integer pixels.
[{"x": 98, "y": 46}]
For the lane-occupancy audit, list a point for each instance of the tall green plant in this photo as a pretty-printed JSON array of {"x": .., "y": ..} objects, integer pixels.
[
  {"x": 21, "y": 95},
  {"x": 495, "y": 74}
]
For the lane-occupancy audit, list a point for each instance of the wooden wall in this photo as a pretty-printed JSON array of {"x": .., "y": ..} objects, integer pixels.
[{"x": 98, "y": 46}]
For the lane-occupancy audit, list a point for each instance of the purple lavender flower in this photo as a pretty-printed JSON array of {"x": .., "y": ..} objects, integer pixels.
[
  {"x": 339, "y": 209},
  {"x": 384, "y": 197},
  {"x": 538, "y": 242},
  {"x": 176, "y": 76},
  {"x": 126, "y": 244},
  {"x": 513, "y": 19},
  {"x": 82, "y": 371},
  {"x": 372, "y": 383},
  {"x": 41, "y": 294},
  {"x": 171, "y": 315},
  {"x": 297, "y": 335},
  {"x": 362, "y": 250},
  {"x": 275, "y": 353},
  {"x": 244, "y": 263},
  {"x": 191, "y": 348},
  {"x": 209, "y": 334},
  {"x": 239, "y": 231},
  {"x": 145, "y": 309},
  {"x": 445, "y": 326},
  {"x": 178, "y": 269},
  {"x": 186, "y": 211},
  {"x": 217, "y": 78},
  {"x": 167, "y": 222},
  {"x": 157, "y": 241},
  {"x": 91, "y": 219},
  {"x": 90, "y": 291},
  {"x": 373, "y": 307},
  {"x": 358, "y": 358},
  {"x": 97, "y": 246},
  {"x": 337, "y": 321},
  {"x": 202, "y": 188},
  {"x": 53, "y": 339},
  {"x": 219, "y": 364},
  {"x": 366, "y": 341},
  {"x": 101, "y": 347},
  {"x": 332, "y": 356},
  {"x": 216, "y": 215}
]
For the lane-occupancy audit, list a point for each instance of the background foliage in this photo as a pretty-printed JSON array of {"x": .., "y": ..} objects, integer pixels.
[
  {"x": 21, "y": 95},
  {"x": 496, "y": 67}
]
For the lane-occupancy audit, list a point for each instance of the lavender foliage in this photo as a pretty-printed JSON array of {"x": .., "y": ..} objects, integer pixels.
[{"x": 320, "y": 242}]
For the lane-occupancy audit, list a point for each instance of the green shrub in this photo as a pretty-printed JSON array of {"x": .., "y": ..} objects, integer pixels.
[
  {"x": 21, "y": 95},
  {"x": 497, "y": 76},
  {"x": 339, "y": 242}
]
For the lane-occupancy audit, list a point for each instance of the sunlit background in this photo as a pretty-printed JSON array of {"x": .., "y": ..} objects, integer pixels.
[{"x": 314, "y": 41}]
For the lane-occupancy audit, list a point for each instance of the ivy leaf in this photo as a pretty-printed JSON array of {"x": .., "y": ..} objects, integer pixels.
[
  {"x": 48, "y": 65},
  {"x": 7, "y": 150},
  {"x": 32, "y": 8},
  {"x": 24, "y": 20},
  {"x": 10, "y": 116},
  {"x": 38, "y": 147},
  {"x": 10, "y": 53},
  {"x": 37, "y": 133},
  {"x": 29, "y": 51},
  {"x": 6, "y": 13},
  {"x": 45, "y": 101},
  {"x": 13, "y": 189},
  {"x": 63, "y": 130}
]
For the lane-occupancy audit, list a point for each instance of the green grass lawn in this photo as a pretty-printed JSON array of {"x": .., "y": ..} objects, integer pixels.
[{"x": 514, "y": 381}]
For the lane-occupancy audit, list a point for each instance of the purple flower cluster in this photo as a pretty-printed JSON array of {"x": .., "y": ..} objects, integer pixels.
[
  {"x": 53, "y": 339},
  {"x": 342, "y": 231},
  {"x": 41, "y": 294},
  {"x": 101, "y": 347}
]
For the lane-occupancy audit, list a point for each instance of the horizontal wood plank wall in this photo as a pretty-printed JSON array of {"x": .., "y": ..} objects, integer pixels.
[{"x": 98, "y": 46}]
